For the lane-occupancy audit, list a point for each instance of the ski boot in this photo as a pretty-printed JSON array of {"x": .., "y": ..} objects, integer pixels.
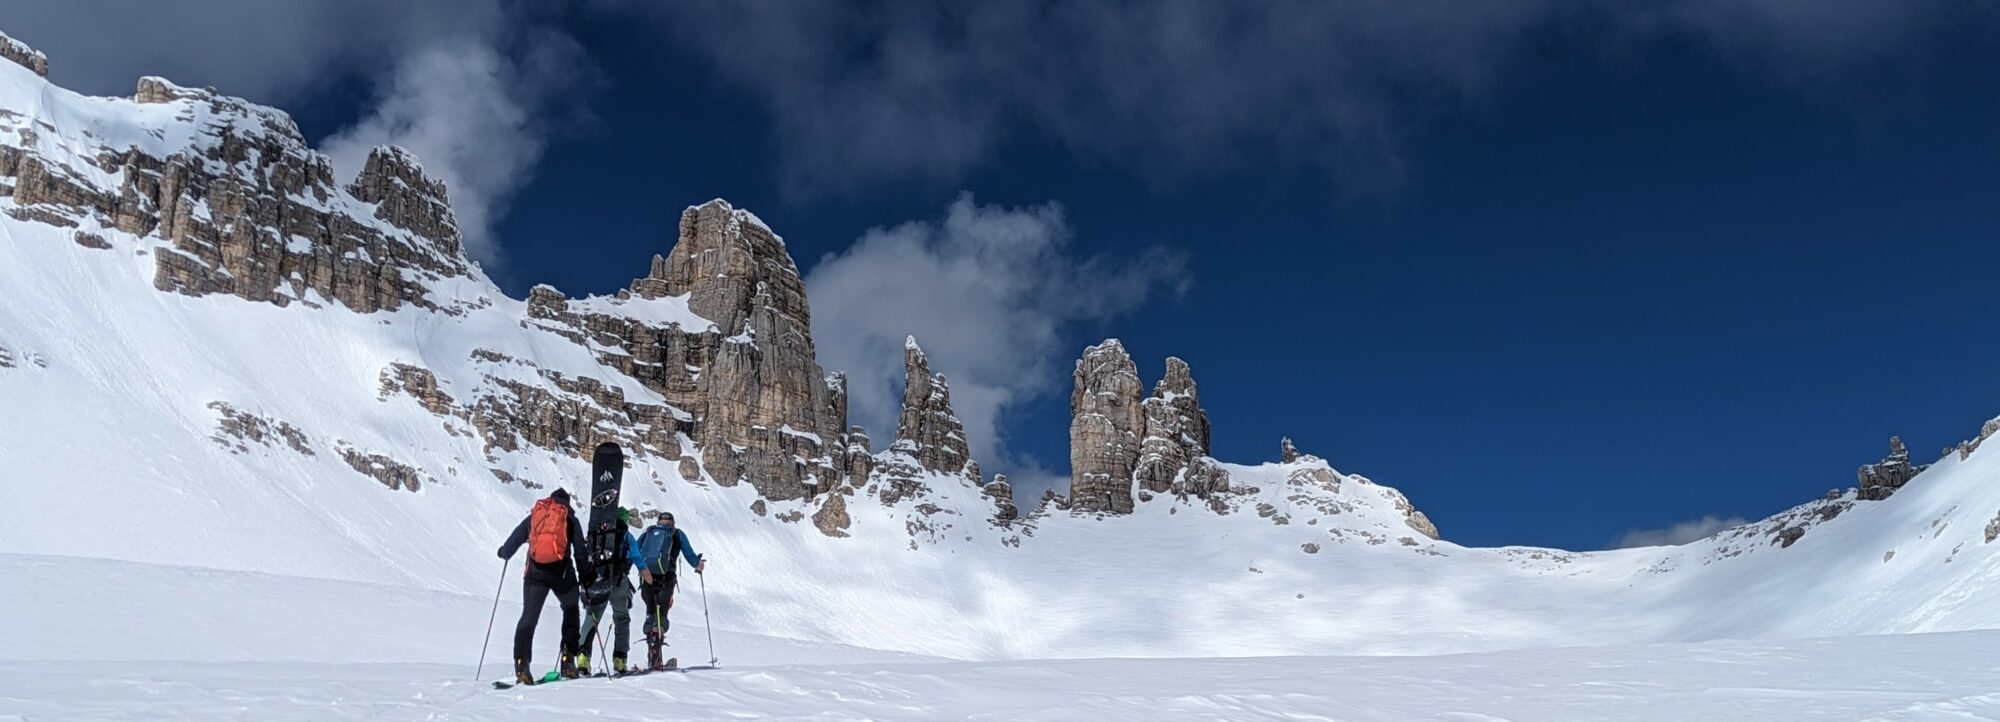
[
  {"x": 617, "y": 665},
  {"x": 568, "y": 668},
  {"x": 653, "y": 661},
  {"x": 521, "y": 674},
  {"x": 583, "y": 665}
]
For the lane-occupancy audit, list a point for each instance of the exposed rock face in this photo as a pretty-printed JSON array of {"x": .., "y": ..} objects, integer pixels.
[
  {"x": 236, "y": 428},
  {"x": 406, "y": 198},
  {"x": 1287, "y": 453},
  {"x": 832, "y": 519},
  {"x": 564, "y": 413},
  {"x": 27, "y": 57},
  {"x": 860, "y": 459},
  {"x": 927, "y": 429},
  {"x": 248, "y": 207},
  {"x": 1002, "y": 495},
  {"x": 1173, "y": 456},
  {"x": 1119, "y": 441},
  {"x": 1106, "y": 421},
  {"x": 1987, "y": 430},
  {"x": 1880, "y": 479},
  {"x": 720, "y": 327},
  {"x": 390, "y": 472}
]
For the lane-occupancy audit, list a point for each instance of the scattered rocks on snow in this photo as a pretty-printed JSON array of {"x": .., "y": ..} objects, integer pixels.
[
  {"x": 237, "y": 427},
  {"x": 1965, "y": 448},
  {"x": 391, "y": 473}
]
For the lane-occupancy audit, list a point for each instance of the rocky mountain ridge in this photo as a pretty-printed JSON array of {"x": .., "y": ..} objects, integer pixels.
[{"x": 706, "y": 365}]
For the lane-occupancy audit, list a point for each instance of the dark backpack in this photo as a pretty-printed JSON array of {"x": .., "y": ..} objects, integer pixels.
[{"x": 657, "y": 548}]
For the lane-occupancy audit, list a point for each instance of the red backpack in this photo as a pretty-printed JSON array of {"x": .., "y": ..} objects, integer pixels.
[{"x": 548, "y": 531}]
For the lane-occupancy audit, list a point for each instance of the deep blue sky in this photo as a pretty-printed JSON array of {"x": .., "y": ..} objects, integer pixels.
[{"x": 1620, "y": 287}]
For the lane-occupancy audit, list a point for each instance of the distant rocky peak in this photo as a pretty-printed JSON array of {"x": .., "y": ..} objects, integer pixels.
[
  {"x": 1106, "y": 423},
  {"x": 735, "y": 271},
  {"x": 27, "y": 57},
  {"x": 926, "y": 428}
]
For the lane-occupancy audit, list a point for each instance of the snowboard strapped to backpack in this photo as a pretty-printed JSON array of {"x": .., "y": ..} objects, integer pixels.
[
  {"x": 548, "y": 531},
  {"x": 604, "y": 535}
]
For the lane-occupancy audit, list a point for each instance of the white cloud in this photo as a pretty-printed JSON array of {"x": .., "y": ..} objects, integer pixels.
[
  {"x": 883, "y": 91},
  {"x": 1681, "y": 533},
  {"x": 990, "y": 293},
  {"x": 478, "y": 120}
]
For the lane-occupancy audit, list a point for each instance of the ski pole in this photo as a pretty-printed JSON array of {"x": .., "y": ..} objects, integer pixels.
[
  {"x": 489, "y": 620},
  {"x": 705, "y": 623}
]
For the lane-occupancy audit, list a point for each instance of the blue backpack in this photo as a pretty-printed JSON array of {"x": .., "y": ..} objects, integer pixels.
[{"x": 656, "y": 549}]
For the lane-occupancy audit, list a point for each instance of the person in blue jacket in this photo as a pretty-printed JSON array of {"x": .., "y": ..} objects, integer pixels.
[
  {"x": 658, "y": 565},
  {"x": 617, "y": 591}
]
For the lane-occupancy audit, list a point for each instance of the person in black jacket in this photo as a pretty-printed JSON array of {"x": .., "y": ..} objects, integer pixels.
[{"x": 559, "y": 576}]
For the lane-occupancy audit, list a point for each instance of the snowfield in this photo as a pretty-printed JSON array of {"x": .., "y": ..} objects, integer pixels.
[
  {"x": 101, "y": 640},
  {"x": 159, "y": 566}
]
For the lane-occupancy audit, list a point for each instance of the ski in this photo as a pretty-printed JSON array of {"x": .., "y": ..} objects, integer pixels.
[
  {"x": 671, "y": 666},
  {"x": 510, "y": 684}
]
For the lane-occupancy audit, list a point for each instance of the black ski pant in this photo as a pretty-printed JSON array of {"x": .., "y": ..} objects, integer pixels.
[
  {"x": 618, "y": 593},
  {"x": 533, "y": 594},
  {"x": 659, "y": 598}
]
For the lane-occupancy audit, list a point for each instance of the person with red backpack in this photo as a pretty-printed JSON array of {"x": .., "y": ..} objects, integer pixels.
[{"x": 555, "y": 542}]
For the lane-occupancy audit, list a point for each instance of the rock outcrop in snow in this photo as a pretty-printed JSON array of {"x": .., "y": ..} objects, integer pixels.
[
  {"x": 27, "y": 57},
  {"x": 926, "y": 429},
  {"x": 1121, "y": 443},
  {"x": 1173, "y": 455},
  {"x": 1880, "y": 479}
]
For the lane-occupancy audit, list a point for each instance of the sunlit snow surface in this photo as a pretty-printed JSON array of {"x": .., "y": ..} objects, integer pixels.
[{"x": 270, "y": 647}]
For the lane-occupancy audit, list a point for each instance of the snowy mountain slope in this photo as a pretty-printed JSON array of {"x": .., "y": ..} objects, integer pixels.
[{"x": 226, "y": 432}]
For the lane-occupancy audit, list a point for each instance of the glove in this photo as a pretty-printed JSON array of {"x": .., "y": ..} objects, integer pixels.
[
  {"x": 587, "y": 578},
  {"x": 701, "y": 565},
  {"x": 592, "y": 599}
]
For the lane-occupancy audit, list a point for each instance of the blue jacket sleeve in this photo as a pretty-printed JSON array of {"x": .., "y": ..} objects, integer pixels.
[
  {"x": 687, "y": 549},
  {"x": 631, "y": 548}
]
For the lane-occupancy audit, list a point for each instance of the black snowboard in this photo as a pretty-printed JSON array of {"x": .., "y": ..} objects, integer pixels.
[{"x": 604, "y": 537}]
